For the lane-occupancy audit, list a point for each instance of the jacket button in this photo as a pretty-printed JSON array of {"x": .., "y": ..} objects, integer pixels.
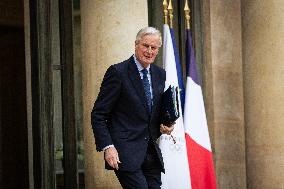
[{"x": 145, "y": 138}]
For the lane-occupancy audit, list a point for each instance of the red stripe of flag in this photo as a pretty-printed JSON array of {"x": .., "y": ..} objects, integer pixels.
[{"x": 200, "y": 164}]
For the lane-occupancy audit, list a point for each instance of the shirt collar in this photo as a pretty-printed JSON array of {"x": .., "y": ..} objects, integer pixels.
[{"x": 139, "y": 66}]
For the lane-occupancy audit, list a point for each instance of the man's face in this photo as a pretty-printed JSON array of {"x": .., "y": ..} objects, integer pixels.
[{"x": 147, "y": 49}]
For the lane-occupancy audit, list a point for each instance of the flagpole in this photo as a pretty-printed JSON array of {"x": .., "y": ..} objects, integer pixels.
[
  {"x": 187, "y": 14},
  {"x": 170, "y": 9},
  {"x": 165, "y": 5}
]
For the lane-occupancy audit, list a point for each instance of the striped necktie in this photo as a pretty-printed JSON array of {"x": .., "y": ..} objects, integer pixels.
[{"x": 146, "y": 85}]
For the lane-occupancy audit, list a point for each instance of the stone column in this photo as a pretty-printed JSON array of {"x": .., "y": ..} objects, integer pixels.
[
  {"x": 263, "y": 44},
  {"x": 223, "y": 90},
  {"x": 108, "y": 33}
]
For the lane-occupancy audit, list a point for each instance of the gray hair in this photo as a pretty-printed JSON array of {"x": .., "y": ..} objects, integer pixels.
[{"x": 148, "y": 31}]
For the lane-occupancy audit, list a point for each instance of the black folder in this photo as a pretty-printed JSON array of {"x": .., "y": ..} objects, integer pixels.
[{"x": 170, "y": 106}]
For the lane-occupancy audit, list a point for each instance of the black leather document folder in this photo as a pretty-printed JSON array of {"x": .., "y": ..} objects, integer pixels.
[{"x": 170, "y": 106}]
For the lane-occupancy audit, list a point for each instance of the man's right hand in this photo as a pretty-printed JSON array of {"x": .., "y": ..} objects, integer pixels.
[{"x": 111, "y": 156}]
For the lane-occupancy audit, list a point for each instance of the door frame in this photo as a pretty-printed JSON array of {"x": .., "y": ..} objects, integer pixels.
[{"x": 41, "y": 16}]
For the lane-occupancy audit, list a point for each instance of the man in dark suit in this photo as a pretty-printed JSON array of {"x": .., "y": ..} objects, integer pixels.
[{"x": 126, "y": 115}]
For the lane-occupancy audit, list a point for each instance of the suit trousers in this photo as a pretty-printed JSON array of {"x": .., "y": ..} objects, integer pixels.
[{"x": 148, "y": 177}]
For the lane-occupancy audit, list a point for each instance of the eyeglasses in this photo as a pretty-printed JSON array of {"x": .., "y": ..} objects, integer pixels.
[{"x": 149, "y": 47}]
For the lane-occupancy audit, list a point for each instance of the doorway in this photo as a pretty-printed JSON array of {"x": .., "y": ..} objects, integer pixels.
[{"x": 13, "y": 121}]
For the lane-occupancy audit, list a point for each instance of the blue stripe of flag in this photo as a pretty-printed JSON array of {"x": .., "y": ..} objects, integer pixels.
[{"x": 191, "y": 70}]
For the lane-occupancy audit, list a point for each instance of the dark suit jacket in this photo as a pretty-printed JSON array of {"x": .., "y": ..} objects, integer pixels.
[{"x": 120, "y": 115}]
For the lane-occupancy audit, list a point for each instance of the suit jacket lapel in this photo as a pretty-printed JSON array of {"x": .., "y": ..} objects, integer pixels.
[
  {"x": 135, "y": 78},
  {"x": 155, "y": 85}
]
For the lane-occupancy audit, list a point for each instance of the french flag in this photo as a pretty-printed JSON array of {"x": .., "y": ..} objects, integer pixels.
[
  {"x": 174, "y": 154},
  {"x": 198, "y": 145}
]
